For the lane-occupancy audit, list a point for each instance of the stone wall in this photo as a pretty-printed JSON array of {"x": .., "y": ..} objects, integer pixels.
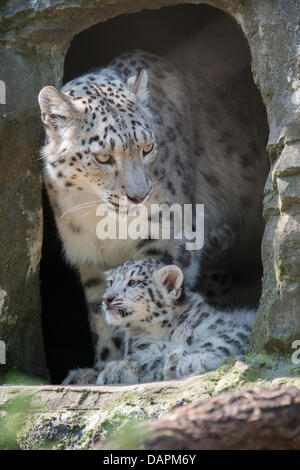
[{"x": 34, "y": 37}]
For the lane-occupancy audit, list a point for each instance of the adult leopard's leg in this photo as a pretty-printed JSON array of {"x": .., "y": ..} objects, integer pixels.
[
  {"x": 215, "y": 280},
  {"x": 107, "y": 341}
]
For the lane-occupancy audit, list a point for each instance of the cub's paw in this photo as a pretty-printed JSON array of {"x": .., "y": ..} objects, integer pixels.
[
  {"x": 118, "y": 372},
  {"x": 170, "y": 364},
  {"x": 81, "y": 377},
  {"x": 191, "y": 364}
]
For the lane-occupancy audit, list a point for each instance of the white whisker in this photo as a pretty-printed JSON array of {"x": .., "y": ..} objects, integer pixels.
[
  {"x": 84, "y": 205},
  {"x": 159, "y": 177},
  {"x": 87, "y": 213}
]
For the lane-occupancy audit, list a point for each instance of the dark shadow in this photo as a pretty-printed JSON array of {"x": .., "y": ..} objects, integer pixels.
[
  {"x": 156, "y": 31},
  {"x": 68, "y": 341}
]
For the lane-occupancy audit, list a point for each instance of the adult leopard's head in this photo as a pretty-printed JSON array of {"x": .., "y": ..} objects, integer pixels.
[
  {"x": 99, "y": 136},
  {"x": 140, "y": 292}
]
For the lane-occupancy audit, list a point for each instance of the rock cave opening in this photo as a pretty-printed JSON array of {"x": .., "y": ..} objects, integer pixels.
[{"x": 68, "y": 342}]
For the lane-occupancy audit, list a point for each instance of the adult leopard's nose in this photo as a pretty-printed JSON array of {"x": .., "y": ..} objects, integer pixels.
[{"x": 137, "y": 199}]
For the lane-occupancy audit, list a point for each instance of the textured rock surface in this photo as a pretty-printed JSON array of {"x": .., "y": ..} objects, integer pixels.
[
  {"x": 75, "y": 417},
  {"x": 274, "y": 38},
  {"x": 258, "y": 418},
  {"x": 21, "y": 216},
  {"x": 34, "y": 37}
]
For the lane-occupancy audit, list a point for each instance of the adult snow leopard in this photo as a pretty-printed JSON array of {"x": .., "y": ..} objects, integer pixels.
[
  {"x": 170, "y": 331},
  {"x": 135, "y": 128}
]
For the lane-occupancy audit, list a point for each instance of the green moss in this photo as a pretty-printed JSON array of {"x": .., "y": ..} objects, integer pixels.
[
  {"x": 119, "y": 421},
  {"x": 13, "y": 416},
  {"x": 128, "y": 437},
  {"x": 72, "y": 418},
  {"x": 15, "y": 377}
]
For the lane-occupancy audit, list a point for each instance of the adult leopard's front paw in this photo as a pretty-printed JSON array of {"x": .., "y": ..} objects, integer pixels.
[{"x": 118, "y": 372}]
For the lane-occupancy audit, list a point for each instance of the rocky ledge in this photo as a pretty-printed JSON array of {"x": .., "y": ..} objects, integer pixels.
[{"x": 57, "y": 417}]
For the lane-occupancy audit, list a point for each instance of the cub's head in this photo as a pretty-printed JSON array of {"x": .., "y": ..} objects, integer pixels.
[
  {"x": 99, "y": 136},
  {"x": 141, "y": 290}
]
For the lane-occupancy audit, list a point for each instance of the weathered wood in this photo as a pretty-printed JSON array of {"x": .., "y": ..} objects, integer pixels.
[{"x": 257, "y": 419}]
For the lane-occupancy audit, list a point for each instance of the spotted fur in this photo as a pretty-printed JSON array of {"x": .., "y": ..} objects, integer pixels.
[
  {"x": 139, "y": 102},
  {"x": 171, "y": 332}
]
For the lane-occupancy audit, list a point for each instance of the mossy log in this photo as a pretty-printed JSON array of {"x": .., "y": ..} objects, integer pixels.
[{"x": 255, "y": 419}]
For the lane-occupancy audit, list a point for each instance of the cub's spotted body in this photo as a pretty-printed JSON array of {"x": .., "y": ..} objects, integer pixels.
[
  {"x": 132, "y": 129},
  {"x": 171, "y": 332}
]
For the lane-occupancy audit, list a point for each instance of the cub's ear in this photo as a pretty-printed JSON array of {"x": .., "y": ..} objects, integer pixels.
[
  {"x": 139, "y": 85},
  {"x": 55, "y": 106},
  {"x": 171, "y": 279}
]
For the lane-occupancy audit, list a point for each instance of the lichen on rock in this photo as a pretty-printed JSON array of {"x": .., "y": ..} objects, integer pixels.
[{"x": 75, "y": 417}]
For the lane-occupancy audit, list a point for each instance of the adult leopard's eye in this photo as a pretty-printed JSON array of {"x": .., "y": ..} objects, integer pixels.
[
  {"x": 133, "y": 283},
  {"x": 101, "y": 158},
  {"x": 148, "y": 149}
]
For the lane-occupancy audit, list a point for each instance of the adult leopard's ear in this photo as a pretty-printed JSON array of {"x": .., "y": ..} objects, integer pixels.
[
  {"x": 56, "y": 107},
  {"x": 170, "y": 278},
  {"x": 139, "y": 85}
]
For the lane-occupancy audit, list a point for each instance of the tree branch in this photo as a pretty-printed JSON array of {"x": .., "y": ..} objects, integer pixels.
[{"x": 260, "y": 418}]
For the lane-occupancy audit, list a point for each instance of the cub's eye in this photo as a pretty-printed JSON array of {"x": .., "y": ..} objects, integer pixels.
[
  {"x": 101, "y": 158},
  {"x": 148, "y": 149},
  {"x": 133, "y": 283},
  {"x": 109, "y": 282}
]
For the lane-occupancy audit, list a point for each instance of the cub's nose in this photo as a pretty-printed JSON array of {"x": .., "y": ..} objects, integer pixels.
[{"x": 108, "y": 300}]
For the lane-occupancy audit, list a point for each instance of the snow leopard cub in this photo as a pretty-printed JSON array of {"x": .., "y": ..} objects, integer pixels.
[{"x": 170, "y": 331}]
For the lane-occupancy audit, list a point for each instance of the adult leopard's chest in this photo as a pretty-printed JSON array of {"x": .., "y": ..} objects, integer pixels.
[{"x": 83, "y": 245}]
